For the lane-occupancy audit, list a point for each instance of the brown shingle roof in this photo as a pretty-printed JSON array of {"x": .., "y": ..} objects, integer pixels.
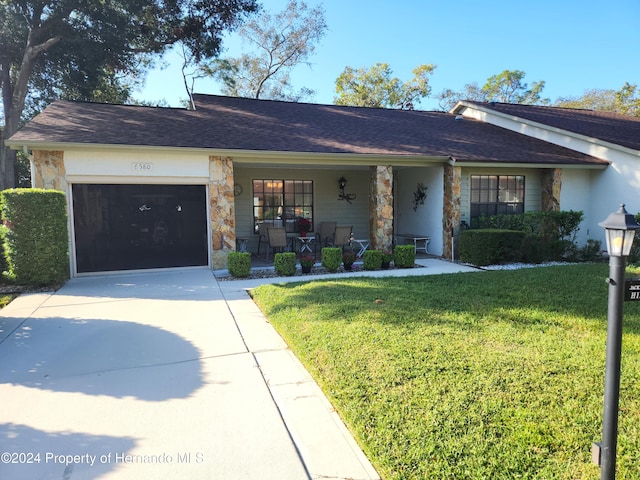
[
  {"x": 230, "y": 123},
  {"x": 611, "y": 127}
]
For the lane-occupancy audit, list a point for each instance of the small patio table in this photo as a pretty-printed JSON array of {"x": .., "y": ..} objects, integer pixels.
[
  {"x": 363, "y": 245},
  {"x": 305, "y": 243},
  {"x": 242, "y": 244},
  {"x": 417, "y": 238}
]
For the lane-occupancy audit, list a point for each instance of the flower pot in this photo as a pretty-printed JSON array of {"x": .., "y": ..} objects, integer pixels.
[
  {"x": 348, "y": 266},
  {"x": 386, "y": 265},
  {"x": 306, "y": 269},
  {"x": 303, "y": 234}
]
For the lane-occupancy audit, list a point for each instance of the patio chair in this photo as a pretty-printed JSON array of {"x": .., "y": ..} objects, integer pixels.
[
  {"x": 342, "y": 237},
  {"x": 324, "y": 236},
  {"x": 262, "y": 235},
  {"x": 277, "y": 239}
]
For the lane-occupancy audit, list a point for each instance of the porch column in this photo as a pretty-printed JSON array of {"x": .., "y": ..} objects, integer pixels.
[
  {"x": 551, "y": 187},
  {"x": 49, "y": 171},
  {"x": 222, "y": 208},
  {"x": 451, "y": 214},
  {"x": 381, "y": 207}
]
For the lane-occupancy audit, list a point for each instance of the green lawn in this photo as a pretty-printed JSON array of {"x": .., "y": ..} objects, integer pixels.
[{"x": 488, "y": 375}]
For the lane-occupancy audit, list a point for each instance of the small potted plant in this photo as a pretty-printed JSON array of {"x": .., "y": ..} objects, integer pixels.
[
  {"x": 348, "y": 259},
  {"x": 387, "y": 258},
  {"x": 306, "y": 263},
  {"x": 304, "y": 225}
]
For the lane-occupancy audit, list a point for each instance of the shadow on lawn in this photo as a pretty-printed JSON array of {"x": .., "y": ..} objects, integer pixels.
[{"x": 544, "y": 296}]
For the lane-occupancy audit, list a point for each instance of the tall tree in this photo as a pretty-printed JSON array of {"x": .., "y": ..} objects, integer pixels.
[
  {"x": 508, "y": 87},
  {"x": 279, "y": 43},
  {"x": 505, "y": 87},
  {"x": 91, "y": 49},
  {"x": 375, "y": 87},
  {"x": 625, "y": 101}
]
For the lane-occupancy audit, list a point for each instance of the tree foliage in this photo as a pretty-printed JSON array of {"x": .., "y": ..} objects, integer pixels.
[
  {"x": 625, "y": 101},
  {"x": 376, "y": 87},
  {"x": 95, "y": 50},
  {"x": 505, "y": 87},
  {"x": 279, "y": 42}
]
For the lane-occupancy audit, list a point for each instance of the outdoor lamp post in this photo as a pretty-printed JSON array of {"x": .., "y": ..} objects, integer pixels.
[{"x": 620, "y": 228}]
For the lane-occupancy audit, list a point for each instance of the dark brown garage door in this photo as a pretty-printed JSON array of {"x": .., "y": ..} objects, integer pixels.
[{"x": 129, "y": 227}]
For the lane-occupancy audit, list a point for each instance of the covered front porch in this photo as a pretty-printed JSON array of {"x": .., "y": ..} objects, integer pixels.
[{"x": 377, "y": 202}]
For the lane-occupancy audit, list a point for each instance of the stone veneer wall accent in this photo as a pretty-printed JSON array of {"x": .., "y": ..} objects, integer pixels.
[
  {"x": 551, "y": 187},
  {"x": 381, "y": 207},
  {"x": 451, "y": 214},
  {"x": 50, "y": 172},
  {"x": 222, "y": 208}
]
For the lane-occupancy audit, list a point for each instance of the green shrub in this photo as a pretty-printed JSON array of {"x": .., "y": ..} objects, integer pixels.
[
  {"x": 36, "y": 240},
  {"x": 488, "y": 247},
  {"x": 555, "y": 225},
  {"x": 404, "y": 256},
  {"x": 239, "y": 264},
  {"x": 634, "y": 256},
  {"x": 592, "y": 251},
  {"x": 372, "y": 259},
  {"x": 537, "y": 249},
  {"x": 3, "y": 259},
  {"x": 285, "y": 263},
  {"x": 331, "y": 258}
]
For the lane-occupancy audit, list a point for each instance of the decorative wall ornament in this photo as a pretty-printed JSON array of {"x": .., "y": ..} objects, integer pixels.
[
  {"x": 419, "y": 196},
  {"x": 342, "y": 183}
]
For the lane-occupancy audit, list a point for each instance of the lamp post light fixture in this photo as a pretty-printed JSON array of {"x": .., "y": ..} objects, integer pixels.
[{"x": 620, "y": 228}]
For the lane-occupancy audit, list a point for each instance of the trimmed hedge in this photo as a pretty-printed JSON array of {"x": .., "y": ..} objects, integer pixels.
[
  {"x": 404, "y": 256},
  {"x": 331, "y": 258},
  {"x": 372, "y": 259},
  {"x": 285, "y": 263},
  {"x": 36, "y": 243},
  {"x": 489, "y": 247},
  {"x": 239, "y": 264}
]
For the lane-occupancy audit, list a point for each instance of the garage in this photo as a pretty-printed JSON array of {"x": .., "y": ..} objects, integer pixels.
[{"x": 132, "y": 227}]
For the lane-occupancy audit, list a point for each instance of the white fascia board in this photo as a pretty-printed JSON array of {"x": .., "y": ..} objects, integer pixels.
[
  {"x": 252, "y": 156},
  {"x": 519, "y": 125},
  {"x": 513, "y": 165}
]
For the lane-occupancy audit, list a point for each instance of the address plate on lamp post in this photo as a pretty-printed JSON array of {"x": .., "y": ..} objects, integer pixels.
[{"x": 632, "y": 290}]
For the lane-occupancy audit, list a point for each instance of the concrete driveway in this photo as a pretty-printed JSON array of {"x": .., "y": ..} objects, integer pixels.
[{"x": 163, "y": 376}]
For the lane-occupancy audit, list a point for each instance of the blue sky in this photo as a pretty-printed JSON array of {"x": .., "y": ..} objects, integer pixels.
[{"x": 572, "y": 45}]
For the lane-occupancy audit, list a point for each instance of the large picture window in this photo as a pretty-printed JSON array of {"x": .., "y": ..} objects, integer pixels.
[
  {"x": 496, "y": 195},
  {"x": 282, "y": 203}
]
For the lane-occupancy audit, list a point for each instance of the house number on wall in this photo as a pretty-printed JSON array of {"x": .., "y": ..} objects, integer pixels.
[{"x": 140, "y": 167}]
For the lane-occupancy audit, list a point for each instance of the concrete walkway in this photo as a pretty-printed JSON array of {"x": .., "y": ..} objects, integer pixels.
[{"x": 167, "y": 376}]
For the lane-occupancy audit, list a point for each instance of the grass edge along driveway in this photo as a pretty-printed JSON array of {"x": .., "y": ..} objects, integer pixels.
[{"x": 494, "y": 374}]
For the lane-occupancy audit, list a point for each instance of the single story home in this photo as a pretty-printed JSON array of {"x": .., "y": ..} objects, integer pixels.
[{"x": 151, "y": 187}]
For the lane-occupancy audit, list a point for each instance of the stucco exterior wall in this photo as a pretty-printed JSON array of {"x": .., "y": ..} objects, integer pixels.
[
  {"x": 136, "y": 166},
  {"x": 427, "y": 218},
  {"x": 576, "y": 195}
]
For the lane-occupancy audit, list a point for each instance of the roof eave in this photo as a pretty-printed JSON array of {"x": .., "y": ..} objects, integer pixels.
[
  {"x": 248, "y": 156},
  {"x": 458, "y": 108},
  {"x": 475, "y": 163}
]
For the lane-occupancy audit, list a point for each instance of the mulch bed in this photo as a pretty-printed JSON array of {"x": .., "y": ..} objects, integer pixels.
[{"x": 317, "y": 270}]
